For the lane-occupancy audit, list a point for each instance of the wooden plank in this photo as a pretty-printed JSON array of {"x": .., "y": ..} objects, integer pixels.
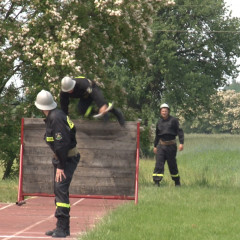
[
  {"x": 84, "y": 181},
  {"x": 92, "y": 126},
  {"x": 105, "y": 172},
  {"x": 81, "y": 189},
  {"x": 38, "y": 188},
  {"x": 95, "y": 158},
  {"x": 89, "y": 144},
  {"x": 38, "y": 151},
  {"x": 47, "y": 170},
  {"x": 105, "y": 136},
  {"x": 104, "y": 191}
]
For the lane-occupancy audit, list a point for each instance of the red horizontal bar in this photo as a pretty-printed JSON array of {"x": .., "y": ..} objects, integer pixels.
[{"x": 82, "y": 196}]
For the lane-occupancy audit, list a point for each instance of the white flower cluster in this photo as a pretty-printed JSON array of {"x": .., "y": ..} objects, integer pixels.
[
  {"x": 227, "y": 120},
  {"x": 55, "y": 39},
  {"x": 111, "y": 7}
]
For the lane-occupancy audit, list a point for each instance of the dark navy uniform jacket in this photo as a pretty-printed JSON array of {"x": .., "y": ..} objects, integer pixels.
[
  {"x": 167, "y": 130},
  {"x": 84, "y": 88},
  {"x": 60, "y": 135}
]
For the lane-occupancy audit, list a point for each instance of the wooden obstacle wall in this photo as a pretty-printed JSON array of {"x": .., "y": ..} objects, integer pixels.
[{"x": 107, "y": 167}]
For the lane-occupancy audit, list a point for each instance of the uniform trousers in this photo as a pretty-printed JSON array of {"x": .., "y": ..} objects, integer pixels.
[
  {"x": 85, "y": 102},
  {"x": 166, "y": 153},
  {"x": 85, "y": 106},
  {"x": 61, "y": 191}
]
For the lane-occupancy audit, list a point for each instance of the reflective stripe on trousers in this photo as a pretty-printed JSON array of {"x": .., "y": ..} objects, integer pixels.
[
  {"x": 65, "y": 205},
  {"x": 61, "y": 189}
]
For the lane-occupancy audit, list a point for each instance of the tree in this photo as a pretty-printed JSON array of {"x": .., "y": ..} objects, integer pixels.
[
  {"x": 233, "y": 86},
  {"x": 79, "y": 37},
  {"x": 10, "y": 125},
  {"x": 131, "y": 92},
  {"x": 42, "y": 41},
  {"x": 196, "y": 44},
  {"x": 10, "y": 109},
  {"x": 194, "y": 50}
]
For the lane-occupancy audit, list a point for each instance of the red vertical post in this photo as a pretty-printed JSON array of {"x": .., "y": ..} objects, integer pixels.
[
  {"x": 20, "y": 195},
  {"x": 137, "y": 163}
]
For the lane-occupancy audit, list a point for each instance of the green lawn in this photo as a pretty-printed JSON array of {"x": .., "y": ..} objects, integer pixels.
[
  {"x": 8, "y": 189},
  {"x": 206, "y": 207}
]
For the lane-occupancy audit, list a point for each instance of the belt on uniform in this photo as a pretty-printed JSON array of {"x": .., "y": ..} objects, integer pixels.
[
  {"x": 165, "y": 143},
  {"x": 73, "y": 152}
]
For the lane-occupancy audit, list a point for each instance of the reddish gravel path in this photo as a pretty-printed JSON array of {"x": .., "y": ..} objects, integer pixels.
[{"x": 31, "y": 220}]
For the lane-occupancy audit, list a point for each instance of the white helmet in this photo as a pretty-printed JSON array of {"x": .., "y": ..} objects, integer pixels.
[
  {"x": 164, "y": 105},
  {"x": 68, "y": 84},
  {"x": 44, "y": 101}
]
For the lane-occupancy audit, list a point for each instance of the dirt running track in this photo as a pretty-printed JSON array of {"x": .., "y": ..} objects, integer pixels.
[{"x": 31, "y": 220}]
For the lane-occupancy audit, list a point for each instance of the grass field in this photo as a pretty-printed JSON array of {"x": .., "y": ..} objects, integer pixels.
[
  {"x": 8, "y": 189},
  {"x": 206, "y": 207}
]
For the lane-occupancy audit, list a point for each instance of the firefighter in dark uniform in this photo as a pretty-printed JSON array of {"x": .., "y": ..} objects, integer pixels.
[
  {"x": 87, "y": 92},
  {"x": 165, "y": 146},
  {"x": 61, "y": 137}
]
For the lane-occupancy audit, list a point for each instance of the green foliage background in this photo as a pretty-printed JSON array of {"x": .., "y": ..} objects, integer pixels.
[{"x": 142, "y": 52}]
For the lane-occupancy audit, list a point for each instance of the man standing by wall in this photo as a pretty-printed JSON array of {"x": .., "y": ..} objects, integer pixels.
[
  {"x": 61, "y": 137},
  {"x": 165, "y": 146}
]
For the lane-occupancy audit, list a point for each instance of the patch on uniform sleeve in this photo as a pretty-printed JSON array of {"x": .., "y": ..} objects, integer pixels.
[
  {"x": 58, "y": 136},
  {"x": 89, "y": 90}
]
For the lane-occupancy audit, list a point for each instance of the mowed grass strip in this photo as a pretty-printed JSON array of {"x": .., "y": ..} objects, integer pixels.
[
  {"x": 206, "y": 207},
  {"x": 8, "y": 190}
]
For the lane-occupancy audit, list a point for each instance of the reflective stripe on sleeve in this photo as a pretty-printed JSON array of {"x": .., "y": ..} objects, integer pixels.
[
  {"x": 49, "y": 139},
  {"x": 70, "y": 122}
]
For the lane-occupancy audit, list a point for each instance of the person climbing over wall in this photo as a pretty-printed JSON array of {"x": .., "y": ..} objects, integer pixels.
[{"x": 87, "y": 92}]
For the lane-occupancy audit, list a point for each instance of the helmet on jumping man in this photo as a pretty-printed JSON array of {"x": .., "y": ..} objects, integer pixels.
[
  {"x": 68, "y": 84},
  {"x": 44, "y": 101}
]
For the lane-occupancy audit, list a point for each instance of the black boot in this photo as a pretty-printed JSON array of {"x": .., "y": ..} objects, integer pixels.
[
  {"x": 62, "y": 230},
  {"x": 157, "y": 179},
  {"x": 119, "y": 116},
  {"x": 177, "y": 181},
  {"x": 50, "y": 232},
  {"x": 157, "y": 183},
  {"x": 59, "y": 233},
  {"x": 177, "y": 184}
]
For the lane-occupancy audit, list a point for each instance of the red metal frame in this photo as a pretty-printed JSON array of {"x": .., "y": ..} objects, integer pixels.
[
  {"x": 81, "y": 196},
  {"x": 21, "y": 195},
  {"x": 137, "y": 163}
]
